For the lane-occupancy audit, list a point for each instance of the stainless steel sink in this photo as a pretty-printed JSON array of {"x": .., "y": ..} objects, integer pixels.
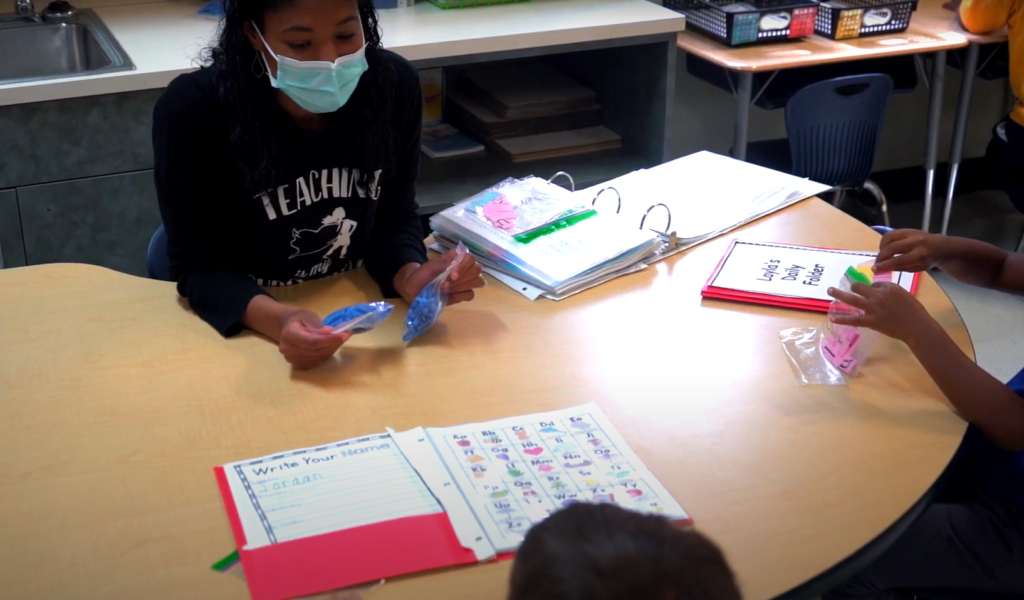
[{"x": 39, "y": 51}]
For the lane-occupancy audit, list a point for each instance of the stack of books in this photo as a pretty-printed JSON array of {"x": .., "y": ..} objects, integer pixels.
[
  {"x": 528, "y": 111},
  {"x": 438, "y": 139}
]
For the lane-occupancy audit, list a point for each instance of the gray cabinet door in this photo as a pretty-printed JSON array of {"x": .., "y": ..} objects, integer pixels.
[
  {"x": 104, "y": 221},
  {"x": 41, "y": 142},
  {"x": 12, "y": 244}
]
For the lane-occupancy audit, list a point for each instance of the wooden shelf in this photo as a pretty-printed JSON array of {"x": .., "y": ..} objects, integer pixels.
[{"x": 444, "y": 181}]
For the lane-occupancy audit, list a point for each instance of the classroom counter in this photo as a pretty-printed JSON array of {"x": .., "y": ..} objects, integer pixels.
[{"x": 165, "y": 39}]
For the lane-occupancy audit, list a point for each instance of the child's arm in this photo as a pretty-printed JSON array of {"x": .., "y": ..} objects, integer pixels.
[
  {"x": 977, "y": 396},
  {"x": 969, "y": 261}
]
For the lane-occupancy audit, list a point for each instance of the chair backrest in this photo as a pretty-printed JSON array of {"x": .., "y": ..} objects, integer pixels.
[
  {"x": 157, "y": 264},
  {"x": 834, "y": 125},
  {"x": 961, "y": 595}
]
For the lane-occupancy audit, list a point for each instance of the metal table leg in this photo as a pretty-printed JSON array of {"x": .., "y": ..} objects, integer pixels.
[
  {"x": 744, "y": 91},
  {"x": 963, "y": 109},
  {"x": 931, "y": 145}
]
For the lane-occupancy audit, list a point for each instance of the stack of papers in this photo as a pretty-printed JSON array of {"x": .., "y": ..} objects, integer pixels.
[
  {"x": 643, "y": 217},
  {"x": 701, "y": 196},
  {"x": 321, "y": 518},
  {"x": 565, "y": 260}
]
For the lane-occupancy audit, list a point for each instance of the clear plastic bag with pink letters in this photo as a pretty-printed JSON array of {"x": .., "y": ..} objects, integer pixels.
[{"x": 829, "y": 354}]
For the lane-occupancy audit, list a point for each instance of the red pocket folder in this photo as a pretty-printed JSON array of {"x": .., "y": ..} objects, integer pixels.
[{"x": 344, "y": 558}]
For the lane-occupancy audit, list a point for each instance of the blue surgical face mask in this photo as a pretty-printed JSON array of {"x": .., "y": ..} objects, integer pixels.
[{"x": 317, "y": 86}]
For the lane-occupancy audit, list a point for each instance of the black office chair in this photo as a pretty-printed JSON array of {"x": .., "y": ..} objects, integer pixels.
[
  {"x": 157, "y": 264},
  {"x": 962, "y": 595},
  {"x": 832, "y": 129}
]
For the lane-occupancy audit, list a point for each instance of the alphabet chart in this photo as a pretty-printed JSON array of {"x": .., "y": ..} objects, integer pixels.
[{"x": 515, "y": 472}]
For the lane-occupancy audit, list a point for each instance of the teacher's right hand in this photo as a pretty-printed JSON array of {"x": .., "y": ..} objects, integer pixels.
[{"x": 305, "y": 342}]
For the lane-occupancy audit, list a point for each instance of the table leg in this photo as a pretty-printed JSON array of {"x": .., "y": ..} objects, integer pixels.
[
  {"x": 744, "y": 91},
  {"x": 963, "y": 107},
  {"x": 931, "y": 145}
]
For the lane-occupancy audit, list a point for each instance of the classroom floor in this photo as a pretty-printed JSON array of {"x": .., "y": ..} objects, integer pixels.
[{"x": 993, "y": 318}]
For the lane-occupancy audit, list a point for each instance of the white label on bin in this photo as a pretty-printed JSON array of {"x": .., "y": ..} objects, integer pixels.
[
  {"x": 774, "y": 21},
  {"x": 877, "y": 16}
]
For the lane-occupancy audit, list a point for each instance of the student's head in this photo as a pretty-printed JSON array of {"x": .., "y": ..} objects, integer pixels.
[
  {"x": 255, "y": 33},
  {"x": 603, "y": 552}
]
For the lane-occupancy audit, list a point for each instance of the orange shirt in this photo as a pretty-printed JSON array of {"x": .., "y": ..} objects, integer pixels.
[{"x": 987, "y": 16}]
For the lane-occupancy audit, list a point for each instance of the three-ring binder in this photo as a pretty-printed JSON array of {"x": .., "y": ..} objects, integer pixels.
[{"x": 668, "y": 235}]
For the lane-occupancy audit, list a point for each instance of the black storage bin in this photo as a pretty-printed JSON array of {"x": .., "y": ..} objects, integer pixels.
[
  {"x": 848, "y": 19},
  {"x": 749, "y": 22}
]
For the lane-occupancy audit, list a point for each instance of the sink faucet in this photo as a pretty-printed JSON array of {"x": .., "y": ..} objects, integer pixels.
[{"x": 25, "y": 9}]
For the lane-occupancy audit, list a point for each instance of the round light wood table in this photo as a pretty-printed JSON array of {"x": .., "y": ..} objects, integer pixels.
[{"x": 117, "y": 402}]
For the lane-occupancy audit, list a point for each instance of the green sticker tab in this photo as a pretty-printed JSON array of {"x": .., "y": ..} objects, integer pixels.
[{"x": 856, "y": 276}]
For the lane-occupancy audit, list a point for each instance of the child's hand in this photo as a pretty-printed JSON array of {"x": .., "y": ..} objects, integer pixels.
[
  {"x": 909, "y": 250},
  {"x": 888, "y": 309}
]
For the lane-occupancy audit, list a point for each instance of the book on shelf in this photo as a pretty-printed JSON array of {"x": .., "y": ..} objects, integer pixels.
[
  {"x": 557, "y": 144},
  {"x": 526, "y": 89},
  {"x": 439, "y": 139},
  {"x": 473, "y": 117}
]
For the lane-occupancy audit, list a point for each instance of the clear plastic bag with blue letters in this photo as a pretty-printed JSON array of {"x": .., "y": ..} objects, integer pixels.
[
  {"x": 426, "y": 308},
  {"x": 359, "y": 318}
]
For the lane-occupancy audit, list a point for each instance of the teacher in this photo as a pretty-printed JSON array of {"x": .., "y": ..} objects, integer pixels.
[{"x": 293, "y": 155}]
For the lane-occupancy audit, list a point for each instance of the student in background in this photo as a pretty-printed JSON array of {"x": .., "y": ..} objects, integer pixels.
[
  {"x": 293, "y": 156},
  {"x": 604, "y": 552},
  {"x": 1005, "y": 153},
  {"x": 972, "y": 538}
]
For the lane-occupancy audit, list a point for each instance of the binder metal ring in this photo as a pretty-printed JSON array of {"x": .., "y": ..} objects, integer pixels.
[
  {"x": 572, "y": 183},
  {"x": 603, "y": 190},
  {"x": 668, "y": 211}
]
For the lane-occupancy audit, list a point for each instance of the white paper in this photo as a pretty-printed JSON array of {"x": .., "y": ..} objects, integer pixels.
[
  {"x": 705, "y": 193},
  {"x": 306, "y": 492},
  {"x": 791, "y": 271},
  {"x": 422, "y": 456},
  {"x": 514, "y": 472}
]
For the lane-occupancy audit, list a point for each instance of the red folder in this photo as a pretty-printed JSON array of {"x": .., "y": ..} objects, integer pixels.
[
  {"x": 344, "y": 558},
  {"x": 812, "y": 304}
]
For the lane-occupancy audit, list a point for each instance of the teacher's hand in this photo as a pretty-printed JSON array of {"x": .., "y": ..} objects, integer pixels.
[
  {"x": 304, "y": 340},
  {"x": 459, "y": 286}
]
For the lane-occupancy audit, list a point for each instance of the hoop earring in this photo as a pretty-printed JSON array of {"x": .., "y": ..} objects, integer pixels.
[{"x": 256, "y": 62}]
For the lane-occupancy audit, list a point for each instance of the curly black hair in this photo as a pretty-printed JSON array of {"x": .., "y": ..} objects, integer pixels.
[{"x": 245, "y": 91}]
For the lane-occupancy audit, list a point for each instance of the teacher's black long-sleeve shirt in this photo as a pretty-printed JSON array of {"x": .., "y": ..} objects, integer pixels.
[{"x": 226, "y": 243}]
